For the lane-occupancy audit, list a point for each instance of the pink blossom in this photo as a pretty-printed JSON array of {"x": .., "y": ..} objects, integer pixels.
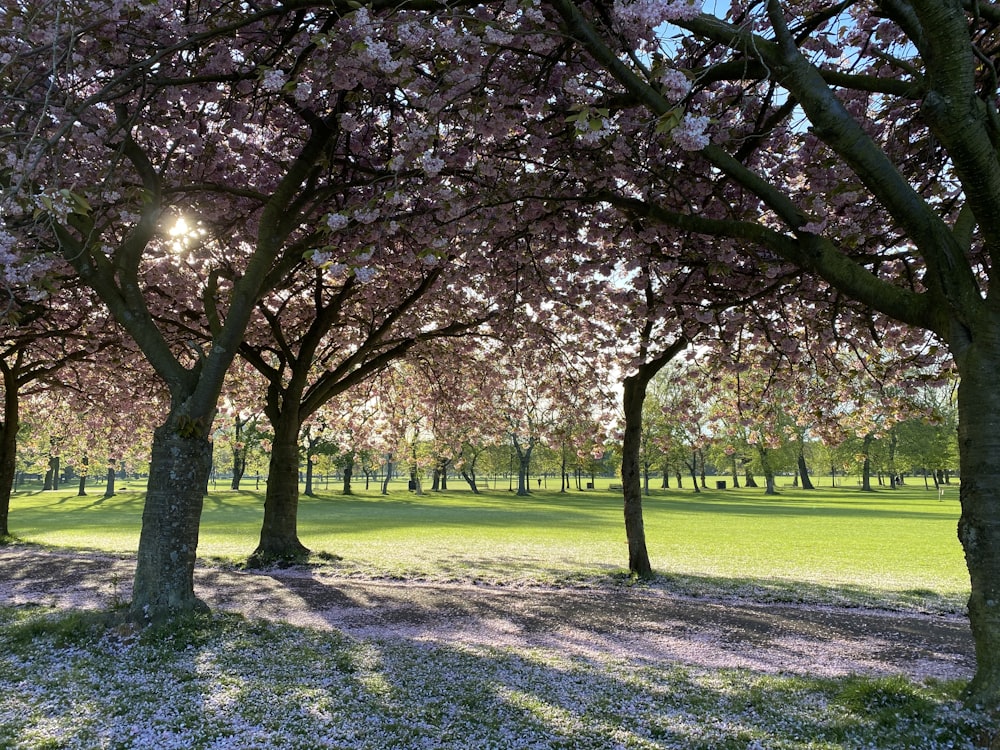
[
  {"x": 675, "y": 84},
  {"x": 690, "y": 134}
]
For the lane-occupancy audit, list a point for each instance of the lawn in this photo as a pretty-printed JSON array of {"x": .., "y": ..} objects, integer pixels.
[
  {"x": 899, "y": 545},
  {"x": 90, "y": 680}
]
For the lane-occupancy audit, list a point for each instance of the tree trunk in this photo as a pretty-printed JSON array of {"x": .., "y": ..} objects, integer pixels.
[
  {"x": 348, "y": 473},
  {"x": 633, "y": 395},
  {"x": 279, "y": 539},
  {"x": 804, "y": 471},
  {"x": 693, "y": 467},
  {"x": 164, "y": 574},
  {"x": 239, "y": 466},
  {"x": 436, "y": 479},
  {"x": 470, "y": 479},
  {"x": 523, "y": 464},
  {"x": 308, "y": 489},
  {"x": 8, "y": 446},
  {"x": 866, "y": 466},
  {"x": 735, "y": 474},
  {"x": 109, "y": 488},
  {"x": 979, "y": 525},
  {"x": 765, "y": 467}
]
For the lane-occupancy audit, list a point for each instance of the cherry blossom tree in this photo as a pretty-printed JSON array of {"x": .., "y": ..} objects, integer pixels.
[
  {"x": 45, "y": 332},
  {"x": 859, "y": 142},
  {"x": 176, "y": 121}
]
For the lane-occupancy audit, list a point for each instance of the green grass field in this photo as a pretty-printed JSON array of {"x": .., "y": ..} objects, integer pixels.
[
  {"x": 900, "y": 545},
  {"x": 82, "y": 680}
]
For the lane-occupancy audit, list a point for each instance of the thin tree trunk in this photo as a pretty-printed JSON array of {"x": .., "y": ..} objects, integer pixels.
[
  {"x": 523, "y": 464},
  {"x": 893, "y": 444},
  {"x": 866, "y": 466},
  {"x": 693, "y": 468},
  {"x": 82, "y": 487},
  {"x": 633, "y": 395},
  {"x": 804, "y": 471},
  {"x": 765, "y": 465},
  {"x": 470, "y": 478},
  {"x": 348, "y": 473},
  {"x": 308, "y": 489}
]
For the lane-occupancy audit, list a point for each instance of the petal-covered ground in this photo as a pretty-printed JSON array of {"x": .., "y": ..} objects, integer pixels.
[{"x": 642, "y": 624}]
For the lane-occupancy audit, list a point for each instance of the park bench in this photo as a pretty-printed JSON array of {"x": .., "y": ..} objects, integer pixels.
[{"x": 614, "y": 486}]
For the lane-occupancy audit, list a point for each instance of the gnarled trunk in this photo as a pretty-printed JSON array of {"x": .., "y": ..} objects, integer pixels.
[{"x": 164, "y": 574}]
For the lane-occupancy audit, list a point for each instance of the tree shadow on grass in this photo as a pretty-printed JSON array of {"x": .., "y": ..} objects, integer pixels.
[{"x": 225, "y": 681}]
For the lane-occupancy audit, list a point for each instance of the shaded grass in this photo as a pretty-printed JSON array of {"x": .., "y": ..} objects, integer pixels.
[
  {"x": 895, "y": 548},
  {"x": 225, "y": 682}
]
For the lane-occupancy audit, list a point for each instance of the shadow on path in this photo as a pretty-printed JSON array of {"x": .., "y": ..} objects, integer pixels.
[{"x": 640, "y": 625}]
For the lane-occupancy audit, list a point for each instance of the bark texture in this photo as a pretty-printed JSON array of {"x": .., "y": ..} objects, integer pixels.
[
  {"x": 979, "y": 526},
  {"x": 164, "y": 575},
  {"x": 279, "y": 538}
]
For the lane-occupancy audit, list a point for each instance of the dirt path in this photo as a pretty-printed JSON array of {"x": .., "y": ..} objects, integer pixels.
[{"x": 639, "y": 624}]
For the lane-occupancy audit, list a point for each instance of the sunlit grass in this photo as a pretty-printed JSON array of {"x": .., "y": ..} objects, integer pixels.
[{"x": 902, "y": 543}]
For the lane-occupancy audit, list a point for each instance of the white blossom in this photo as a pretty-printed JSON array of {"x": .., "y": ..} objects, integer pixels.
[
  {"x": 336, "y": 222},
  {"x": 274, "y": 80},
  {"x": 690, "y": 134},
  {"x": 431, "y": 164}
]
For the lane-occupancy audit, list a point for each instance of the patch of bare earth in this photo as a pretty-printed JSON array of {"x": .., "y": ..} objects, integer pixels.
[{"x": 640, "y": 624}]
